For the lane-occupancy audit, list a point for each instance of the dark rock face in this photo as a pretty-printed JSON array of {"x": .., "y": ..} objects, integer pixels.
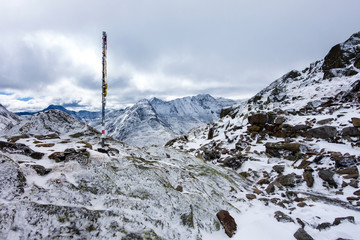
[
  {"x": 339, "y": 220},
  {"x": 233, "y": 162},
  {"x": 228, "y": 222},
  {"x": 327, "y": 176},
  {"x": 323, "y": 226},
  {"x": 301, "y": 234},
  {"x": 344, "y": 161},
  {"x": 279, "y": 168},
  {"x": 325, "y": 132},
  {"x": 211, "y": 154},
  {"x": 356, "y": 122},
  {"x": 19, "y": 148}
]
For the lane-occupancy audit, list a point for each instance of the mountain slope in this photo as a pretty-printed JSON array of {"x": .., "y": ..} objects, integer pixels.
[
  {"x": 298, "y": 141},
  {"x": 7, "y": 118}
]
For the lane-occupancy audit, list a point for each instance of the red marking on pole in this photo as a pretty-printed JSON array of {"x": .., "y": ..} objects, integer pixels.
[{"x": 103, "y": 132}]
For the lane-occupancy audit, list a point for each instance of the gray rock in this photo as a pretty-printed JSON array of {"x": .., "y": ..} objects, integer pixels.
[
  {"x": 351, "y": 132},
  {"x": 19, "y": 148},
  {"x": 323, "y": 226},
  {"x": 279, "y": 168},
  {"x": 41, "y": 170},
  {"x": 324, "y": 132},
  {"x": 287, "y": 180},
  {"x": 282, "y": 217},
  {"x": 308, "y": 177},
  {"x": 327, "y": 176},
  {"x": 339, "y": 220},
  {"x": 355, "y": 122},
  {"x": 258, "y": 119},
  {"x": 301, "y": 234},
  {"x": 325, "y": 121}
]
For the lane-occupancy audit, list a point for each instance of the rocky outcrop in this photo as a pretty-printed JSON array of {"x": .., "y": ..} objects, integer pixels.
[{"x": 19, "y": 148}]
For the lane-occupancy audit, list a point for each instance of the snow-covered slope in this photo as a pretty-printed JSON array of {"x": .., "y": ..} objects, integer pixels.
[
  {"x": 7, "y": 118},
  {"x": 51, "y": 121},
  {"x": 298, "y": 141},
  {"x": 75, "y": 189}
]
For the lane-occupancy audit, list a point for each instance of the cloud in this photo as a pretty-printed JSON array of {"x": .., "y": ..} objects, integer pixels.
[{"x": 51, "y": 50}]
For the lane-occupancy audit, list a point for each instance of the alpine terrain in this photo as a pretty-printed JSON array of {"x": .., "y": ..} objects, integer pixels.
[{"x": 282, "y": 165}]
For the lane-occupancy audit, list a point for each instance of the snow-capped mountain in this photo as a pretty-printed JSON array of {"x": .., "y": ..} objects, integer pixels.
[
  {"x": 298, "y": 141},
  {"x": 154, "y": 121},
  {"x": 7, "y": 118}
]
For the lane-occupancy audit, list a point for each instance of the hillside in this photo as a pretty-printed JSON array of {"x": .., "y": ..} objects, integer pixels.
[{"x": 297, "y": 141}]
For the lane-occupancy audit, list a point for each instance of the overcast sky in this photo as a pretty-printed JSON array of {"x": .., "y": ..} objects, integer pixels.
[{"x": 50, "y": 51}]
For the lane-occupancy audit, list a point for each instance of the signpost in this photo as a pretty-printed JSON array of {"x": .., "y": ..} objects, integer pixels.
[{"x": 104, "y": 88}]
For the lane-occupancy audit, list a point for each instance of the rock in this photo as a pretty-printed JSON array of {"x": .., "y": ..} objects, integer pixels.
[
  {"x": 227, "y": 221},
  {"x": 354, "y": 183},
  {"x": 351, "y": 132},
  {"x": 41, "y": 170},
  {"x": 301, "y": 234},
  {"x": 324, "y": 132},
  {"x": 258, "y": 119},
  {"x": 300, "y": 222},
  {"x": 16, "y": 138},
  {"x": 325, "y": 121},
  {"x": 279, "y": 168},
  {"x": 279, "y": 120},
  {"x": 327, "y": 176},
  {"x": 211, "y": 133},
  {"x": 308, "y": 177},
  {"x": 254, "y": 128},
  {"x": 339, "y": 220},
  {"x": 233, "y": 162},
  {"x": 357, "y": 193},
  {"x": 282, "y": 217},
  {"x": 287, "y": 180},
  {"x": 70, "y": 154},
  {"x": 250, "y": 196},
  {"x": 210, "y": 154},
  {"x": 49, "y": 136},
  {"x": 179, "y": 188},
  {"x": 351, "y": 172},
  {"x": 270, "y": 188},
  {"x": 45, "y": 145},
  {"x": 302, "y": 204},
  {"x": 355, "y": 122},
  {"x": 344, "y": 161},
  {"x": 19, "y": 148},
  {"x": 323, "y": 226}
]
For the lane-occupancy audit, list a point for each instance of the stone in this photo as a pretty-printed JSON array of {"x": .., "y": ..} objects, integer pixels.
[
  {"x": 233, "y": 162},
  {"x": 357, "y": 193},
  {"x": 16, "y": 138},
  {"x": 179, "y": 188},
  {"x": 308, "y": 177},
  {"x": 250, "y": 196},
  {"x": 282, "y": 217},
  {"x": 41, "y": 170},
  {"x": 227, "y": 221},
  {"x": 270, "y": 188},
  {"x": 324, "y": 132},
  {"x": 344, "y": 161},
  {"x": 258, "y": 119},
  {"x": 287, "y": 180},
  {"x": 49, "y": 136},
  {"x": 279, "y": 120},
  {"x": 211, "y": 133},
  {"x": 355, "y": 121},
  {"x": 323, "y": 226},
  {"x": 300, "y": 222},
  {"x": 279, "y": 168},
  {"x": 325, "y": 121},
  {"x": 302, "y": 204},
  {"x": 301, "y": 234},
  {"x": 19, "y": 148},
  {"x": 327, "y": 176},
  {"x": 351, "y": 132},
  {"x": 210, "y": 154},
  {"x": 45, "y": 145},
  {"x": 339, "y": 220}
]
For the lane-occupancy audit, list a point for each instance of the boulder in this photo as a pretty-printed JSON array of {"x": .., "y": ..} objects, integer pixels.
[
  {"x": 227, "y": 221},
  {"x": 209, "y": 154},
  {"x": 70, "y": 154},
  {"x": 233, "y": 162},
  {"x": 325, "y": 121},
  {"x": 323, "y": 226},
  {"x": 258, "y": 119},
  {"x": 287, "y": 180},
  {"x": 351, "y": 132},
  {"x": 325, "y": 132},
  {"x": 279, "y": 168},
  {"x": 351, "y": 171},
  {"x": 41, "y": 170},
  {"x": 342, "y": 161},
  {"x": 339, "y": 220},
  {"x": 355, "y": 121},
  {"x": 301, "y": 234},
  {"x": 250, "y": 196},
  {"x": 282, "y": 217},
  {"x": 308, "y": 177},
  {"x": 327, "y": 176},
  {"x": 19, "y": 148}
]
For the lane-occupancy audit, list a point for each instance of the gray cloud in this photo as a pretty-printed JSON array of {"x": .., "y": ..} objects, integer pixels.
[{"x": 162, "y": 48}]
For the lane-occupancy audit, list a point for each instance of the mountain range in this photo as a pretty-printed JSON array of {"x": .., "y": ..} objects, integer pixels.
[
  {"x": 282, "y": 165},
  {"x": 154, "y": 121}
]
